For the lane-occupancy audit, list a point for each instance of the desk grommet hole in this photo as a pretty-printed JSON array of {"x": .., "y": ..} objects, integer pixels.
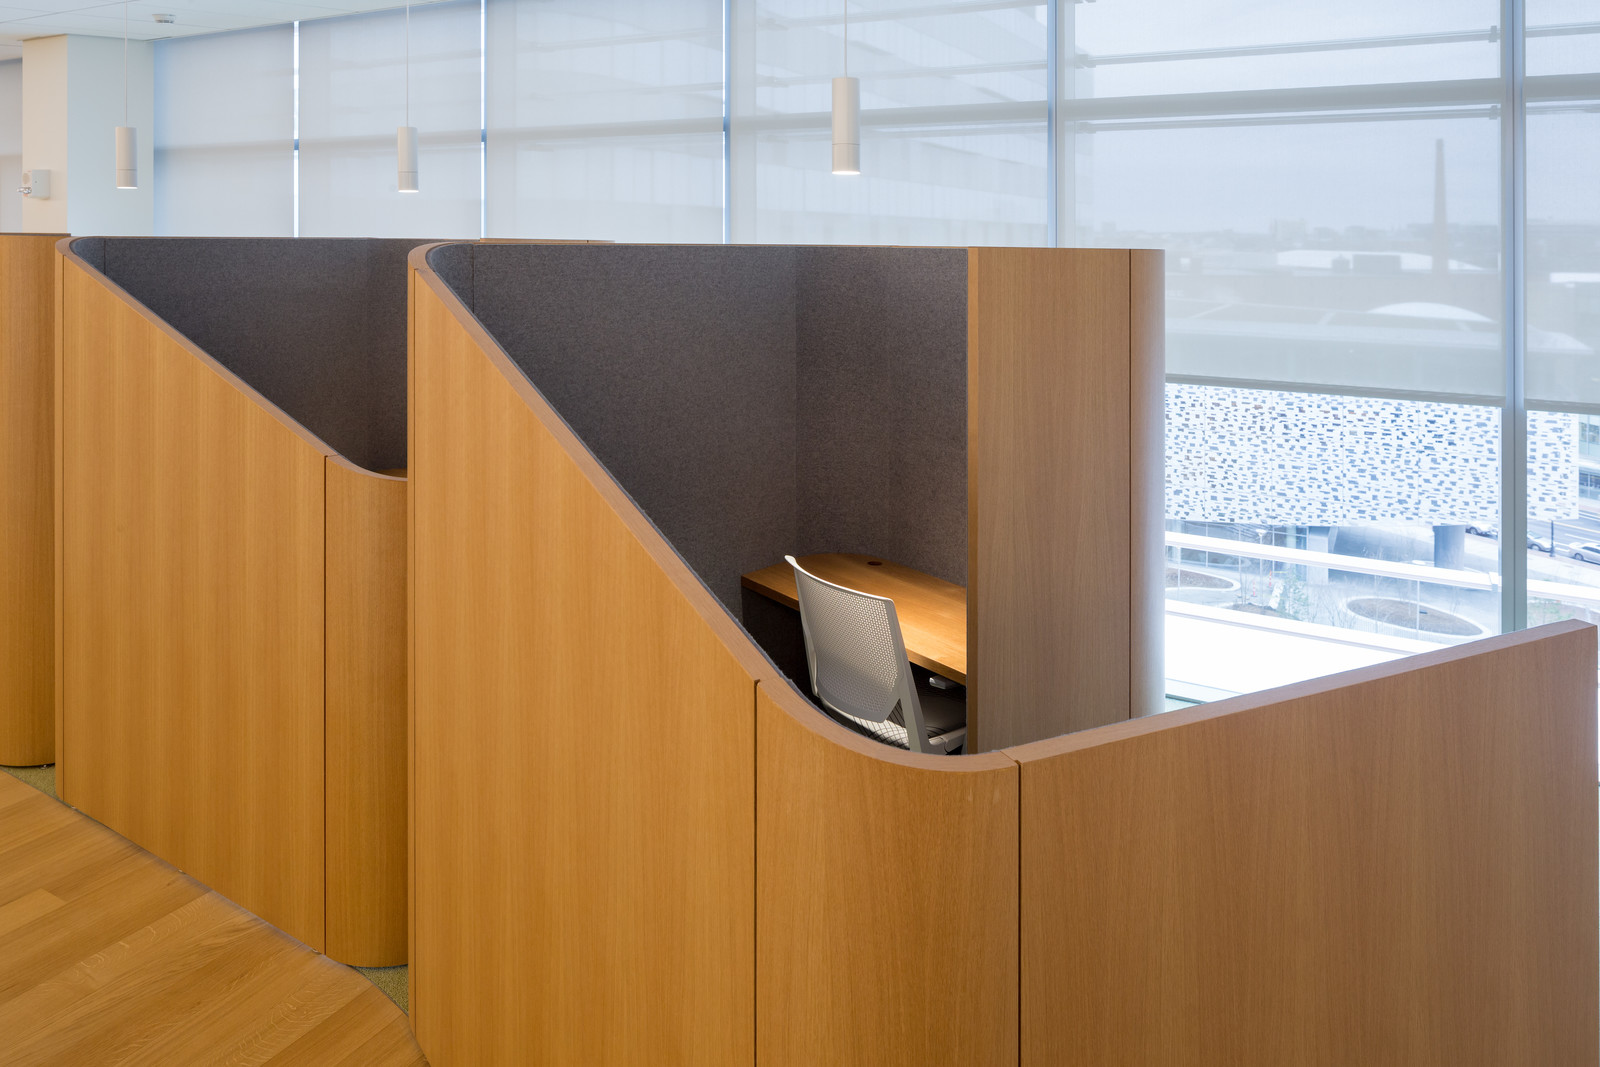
[{"x": 874, "y": 562}]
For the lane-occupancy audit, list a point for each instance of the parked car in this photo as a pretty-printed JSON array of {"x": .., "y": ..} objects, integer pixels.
[
  {"x": 1588, "y": 551},
  {"x": 1541, "y": 544},
  {"x": 1484, "y": 529}
]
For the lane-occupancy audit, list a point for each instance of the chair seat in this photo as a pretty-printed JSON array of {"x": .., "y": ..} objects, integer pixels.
[{"x": 892, "y": 733}]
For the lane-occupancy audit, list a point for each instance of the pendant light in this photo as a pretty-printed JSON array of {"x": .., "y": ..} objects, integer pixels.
[
  {"x": 127, "y": 136},
  {"x": 406, "y": 141},
  {"x": 847, "y": 112}
]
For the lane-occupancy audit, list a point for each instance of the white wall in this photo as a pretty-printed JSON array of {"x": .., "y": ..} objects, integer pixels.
[
  {"x": 72, "y": 98},
  {"x": 44, "y": 130}
]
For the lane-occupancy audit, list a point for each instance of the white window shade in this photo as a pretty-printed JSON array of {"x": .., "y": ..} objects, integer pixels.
[
  {"x": 605, "y": 119},
  {"x": 224, "y": 136},
  {"x": 352, "y": 101},
  {"x": 1230, "y": 45},
  {"x": 1331, "y": 216},
  {"x": 953, "y": 122},
  {"x": 10, "y": 145}
]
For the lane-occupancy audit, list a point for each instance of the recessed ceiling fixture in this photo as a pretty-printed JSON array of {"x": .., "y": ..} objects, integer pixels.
[
  {"x": 165, "y": 20},
  {"x": 847, "y": 112},
  {"x": 406, "y": 141},
  {"x": 127, "y": 136}
]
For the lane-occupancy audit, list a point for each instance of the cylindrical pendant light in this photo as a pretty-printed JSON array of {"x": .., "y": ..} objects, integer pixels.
[
  {"x": 407, "y": 148},
  {"x": 406, "y": 136},
  {"x": 846, "y": 113},
  {"x": 127, "y": 157},
  {"x": 127, "y": 136},
  {"x": 847, "y": 125}
]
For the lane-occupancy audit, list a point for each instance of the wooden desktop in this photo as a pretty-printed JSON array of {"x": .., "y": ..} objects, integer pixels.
[{"x": 932, "y": 611}]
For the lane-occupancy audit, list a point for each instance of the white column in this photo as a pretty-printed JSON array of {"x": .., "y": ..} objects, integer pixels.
[{"x": 72, "y": 103}]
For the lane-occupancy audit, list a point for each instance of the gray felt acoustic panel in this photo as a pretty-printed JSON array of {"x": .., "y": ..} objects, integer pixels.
[
  {"x": 675, "y": 365},
  {"x": 753, "y": 400},
  {"x": 881, "y": 376},
  {"x": 317, "y": 326}
]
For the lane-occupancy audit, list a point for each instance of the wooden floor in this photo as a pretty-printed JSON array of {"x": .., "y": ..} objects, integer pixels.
[{"x": 109, "y": 956}]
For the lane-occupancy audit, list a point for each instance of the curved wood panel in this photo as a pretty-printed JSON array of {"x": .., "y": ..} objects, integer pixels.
[
  {"x": 1392, "y": 865},
  {"x": 886, "y": 910},
  {"x": 365, "y": 720},
  {"x": 583, "y": 749},
  {"x": 27, "y": 539},
  {"x": 233, "y": 605},
  {"x": 192, "y": 611},
  {"x": 1269, "y": 879}
]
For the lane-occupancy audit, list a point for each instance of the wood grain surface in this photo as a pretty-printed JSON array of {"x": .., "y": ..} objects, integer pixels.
[
  {"x": 191, "y": 610},
  {"x": 1391, "y": 865},
  {"x": 583, "y": 746},
  {"x": 1052, "y": 482},
  {"x": 27, "y": 511},
  {"x": 114, "y": 959},
  {"x": 932, "y": 611},
  {"x": 1147, "y": 482},
  {"x": 365, "y": 720},
  {"x": 886, "y": 911}
]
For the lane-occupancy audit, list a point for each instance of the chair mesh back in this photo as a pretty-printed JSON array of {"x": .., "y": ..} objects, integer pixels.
[{"x": 854, "y": 661}]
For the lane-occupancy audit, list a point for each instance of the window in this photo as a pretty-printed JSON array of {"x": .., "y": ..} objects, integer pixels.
[
  {"x": 605, "y": 119},
  {"x": 1369, "y": 332},
  {"x": 224, "y": 136},
  {"x": 953, "y": 115},
  {"x": 353, "y": 98}
]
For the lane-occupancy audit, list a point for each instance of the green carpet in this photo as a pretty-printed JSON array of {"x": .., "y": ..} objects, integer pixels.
[{"x": 394, "y": 981}]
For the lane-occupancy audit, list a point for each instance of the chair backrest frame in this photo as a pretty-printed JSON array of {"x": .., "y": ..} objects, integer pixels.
[{"x": 901, "y": 693}]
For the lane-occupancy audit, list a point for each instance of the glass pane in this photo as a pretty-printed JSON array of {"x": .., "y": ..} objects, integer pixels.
[
  {"x": 1564, "y": 527},
  {"x": 1311, "y": 533},
  {"x": 224, "y": 134},
  {"x": 1563, "y": 37},
  {"x": 353, "y": 97},
  {"x": 605, "y": 119},
  {"x": 1564, "y": 254},
  {"x": 1228, "y": 45},
  {"x": 1339, "y": 254},
  {"x": 954, "y": 147}
]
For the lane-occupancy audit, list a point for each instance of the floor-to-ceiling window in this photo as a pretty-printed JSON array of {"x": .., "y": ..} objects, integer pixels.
[
  {"x": 1382, "y": 224},
  {"x": 1563, "y": 292},
  {"x": 1326, "y": 181}
]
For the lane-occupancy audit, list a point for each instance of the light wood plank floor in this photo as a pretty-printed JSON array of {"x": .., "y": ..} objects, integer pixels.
[{"x": 109, "y": 956}]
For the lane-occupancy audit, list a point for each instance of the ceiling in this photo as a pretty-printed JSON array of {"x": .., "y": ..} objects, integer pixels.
[{"x": 22, "y": 19}]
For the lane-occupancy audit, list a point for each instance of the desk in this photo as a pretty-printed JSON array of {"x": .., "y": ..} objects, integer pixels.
[{"x": 932, "y": 611}]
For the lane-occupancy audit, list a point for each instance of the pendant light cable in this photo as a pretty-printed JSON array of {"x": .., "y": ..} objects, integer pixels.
[
  {"x": 127, "y": 138},
  {"x": 846, "y": 112},
  {"x": 406, "y": 136}
]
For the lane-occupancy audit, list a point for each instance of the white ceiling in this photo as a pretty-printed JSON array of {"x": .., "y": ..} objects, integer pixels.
[{"x": 22, "y": 19}]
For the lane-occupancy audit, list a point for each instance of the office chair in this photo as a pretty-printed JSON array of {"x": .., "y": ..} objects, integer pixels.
[{"x": 859, "y": 668}]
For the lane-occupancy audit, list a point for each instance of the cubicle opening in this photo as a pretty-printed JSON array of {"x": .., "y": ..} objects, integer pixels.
[
  {"x": 317, "y": 326},
  {"x": 752, "y": 400}
]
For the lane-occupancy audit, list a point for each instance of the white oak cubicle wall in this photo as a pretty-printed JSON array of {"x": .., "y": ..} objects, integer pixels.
[
  {"x": 231, "y": 634},
  {"x": 634, "y": 840},
  {"x": 27, "y": 543}
]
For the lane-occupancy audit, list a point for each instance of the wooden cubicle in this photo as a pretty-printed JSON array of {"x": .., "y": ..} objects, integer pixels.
[
  {"x": 27, "y": 543},
  {"x": 633, "y": 839},
  {"x": 232, "y": 587},
  {"x": 989, "y": 416}
]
